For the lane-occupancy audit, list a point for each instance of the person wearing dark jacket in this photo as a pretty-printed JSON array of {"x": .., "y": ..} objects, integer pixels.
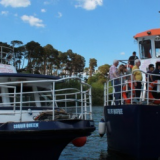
[
  {"x": 132, "y": 59},
  {"x": 156, "y": 71},
  {"x": 148, "y": 76}
]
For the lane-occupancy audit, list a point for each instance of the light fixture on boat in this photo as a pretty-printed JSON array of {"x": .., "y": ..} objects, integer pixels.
[
  {"x": 157, "y": 38},
  {"x": 149, "y": 32}
]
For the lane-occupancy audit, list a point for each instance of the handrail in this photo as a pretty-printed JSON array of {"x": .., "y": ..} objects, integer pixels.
[
  {"x": 144, "y": 91},
  {"x": 79, "y": 98}
]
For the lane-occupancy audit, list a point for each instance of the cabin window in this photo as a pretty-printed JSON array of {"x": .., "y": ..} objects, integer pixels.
[
  {"x": 145, "y": 49},
  {"x": 157, "y": 48},
  {"x": 27, "y": 98},
  {"x": 45, "y": 97}
]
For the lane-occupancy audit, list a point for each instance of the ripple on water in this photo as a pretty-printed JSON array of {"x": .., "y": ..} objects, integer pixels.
[{"x": 94, "y": 149}]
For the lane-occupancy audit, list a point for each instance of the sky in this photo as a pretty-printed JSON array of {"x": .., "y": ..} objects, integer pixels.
[{"x": 100, "y": 29}]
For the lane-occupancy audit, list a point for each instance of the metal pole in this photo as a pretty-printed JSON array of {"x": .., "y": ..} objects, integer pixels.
[
  {"x": 53, "y": 99},
  {"x": 21, "y": 99},
  {"x": 90, "y": 102},
  {"x": 81, "y": 100}
]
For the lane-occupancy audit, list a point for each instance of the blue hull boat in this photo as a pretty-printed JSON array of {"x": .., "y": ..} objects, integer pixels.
[
  {"x": 132, "y": 121},
  {"x": 133, "y": 130},
  {"x": 40, "y": 139}
]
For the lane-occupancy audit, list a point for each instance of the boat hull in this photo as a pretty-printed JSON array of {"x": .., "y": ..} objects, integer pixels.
[
  {"x": 45, "y": 141},
  {"x": 133, "y": 130}
]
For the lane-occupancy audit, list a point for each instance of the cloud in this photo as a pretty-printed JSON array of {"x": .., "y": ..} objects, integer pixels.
[
  {"x": 59, "y": 14},
  {"x": 43, "y": 10},
  {"x": 33, "y": 21},
  {"x": 15, "y": 3},
  {"x": 122, "y": 53},
  {"x": 16, "y": 15},
  {"x": 4, "y": 13},
  {"x": 46, "y": 2},
  {"x": 50, "y": 2},
  {"x": 89, "y": 4}
]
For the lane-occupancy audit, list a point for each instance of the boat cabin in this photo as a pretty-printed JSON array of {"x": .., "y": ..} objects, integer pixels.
[
  {"x": 149, "y": 47},
  {"x": 28, "y": 97}
]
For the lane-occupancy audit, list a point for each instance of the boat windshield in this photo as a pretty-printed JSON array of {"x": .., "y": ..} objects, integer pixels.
[
  {"x": 157, "y": 48},
  {"x": 145, "y": 49}
]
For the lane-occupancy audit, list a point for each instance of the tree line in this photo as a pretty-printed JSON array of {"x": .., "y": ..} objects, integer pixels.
[{"x": 33, "y": 58}]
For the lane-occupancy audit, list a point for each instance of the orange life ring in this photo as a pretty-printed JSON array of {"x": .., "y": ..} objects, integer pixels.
[
  {"x": 124, "y": 94},
  {"x": 151, "y": 86},
  {"x": 130, "y": 66}
]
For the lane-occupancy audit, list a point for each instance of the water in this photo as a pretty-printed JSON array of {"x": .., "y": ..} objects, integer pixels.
[{"x": 94, "y": 149}]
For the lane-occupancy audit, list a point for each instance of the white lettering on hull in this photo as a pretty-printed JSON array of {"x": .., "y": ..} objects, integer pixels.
[
  {"x": 115, "y": 111},
  {"x": 26, "y": 125}
]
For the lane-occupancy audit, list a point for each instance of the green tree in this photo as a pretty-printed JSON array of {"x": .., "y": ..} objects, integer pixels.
[
  {"x": 49, "y": 58},
  {"x": 33, "y": 54},
  {"x": 104, "y": 69},
  {"x": 92, "y": 65}
]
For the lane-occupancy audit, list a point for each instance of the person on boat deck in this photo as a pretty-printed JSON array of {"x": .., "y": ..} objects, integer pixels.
[
  {"x": 126, "y": 72},
  {"x": 137, "y": 77},
  {"x": 121, "y": 73},
  {"x": 156, "y": 71},
  {"x": 120, "y": 70},
  {"x": 150, "y": 70},
  {"x": 132, "y": 59},
  {"x": 114, "y": 76}
]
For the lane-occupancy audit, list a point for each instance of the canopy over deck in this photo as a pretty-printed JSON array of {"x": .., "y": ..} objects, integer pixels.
[{"x": 151, "y": 32}]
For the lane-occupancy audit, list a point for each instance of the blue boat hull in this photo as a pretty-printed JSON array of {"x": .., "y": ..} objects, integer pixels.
[
  {"x": 40, "y": 139},
  {"x": 133, "y": 130}
]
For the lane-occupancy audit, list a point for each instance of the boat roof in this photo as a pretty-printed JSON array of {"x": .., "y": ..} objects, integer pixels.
[
  {"x": 23, "y": 75},
  {"x": 151, "y": 32}
]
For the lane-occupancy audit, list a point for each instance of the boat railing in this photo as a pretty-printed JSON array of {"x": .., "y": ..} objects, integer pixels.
[
  {"x": 127, "y": 90},
  {"x": 76, "y": 102},
  {"x": 6, "y": 55}
]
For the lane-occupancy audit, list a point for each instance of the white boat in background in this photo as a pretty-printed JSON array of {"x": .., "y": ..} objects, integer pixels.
[{"x": 38, "y": 118}]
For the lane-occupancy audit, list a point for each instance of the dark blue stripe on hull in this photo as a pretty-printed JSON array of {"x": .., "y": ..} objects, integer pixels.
[
  {"x": 44, "y": 142},
  {"x": 134, "y": 130}
]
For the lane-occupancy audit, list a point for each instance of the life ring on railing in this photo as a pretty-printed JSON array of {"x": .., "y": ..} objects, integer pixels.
[
  {"x": 124, "y": 94},
  {"x": 151, "y": 86},
  {"x": 130, "y": 66}
]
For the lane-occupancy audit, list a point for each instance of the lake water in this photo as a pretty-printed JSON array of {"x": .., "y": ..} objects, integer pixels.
[{"x": 94, "y": 149}]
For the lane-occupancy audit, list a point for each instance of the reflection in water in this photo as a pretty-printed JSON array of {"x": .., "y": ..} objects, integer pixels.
[{"x": 94, "y": 149}]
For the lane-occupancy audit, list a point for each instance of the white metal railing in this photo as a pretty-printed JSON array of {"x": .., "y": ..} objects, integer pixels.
[
  {"x": 75, "y": 101},
  {"x": 146, "y": 92}
]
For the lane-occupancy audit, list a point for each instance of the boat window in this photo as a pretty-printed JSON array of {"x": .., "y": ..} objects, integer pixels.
[
  {"x": 45, "y": 97},
  {"x": 27, "y": 98},
  {"x": 157, "y": 48},
  {"x": 145, "y": 49}
]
